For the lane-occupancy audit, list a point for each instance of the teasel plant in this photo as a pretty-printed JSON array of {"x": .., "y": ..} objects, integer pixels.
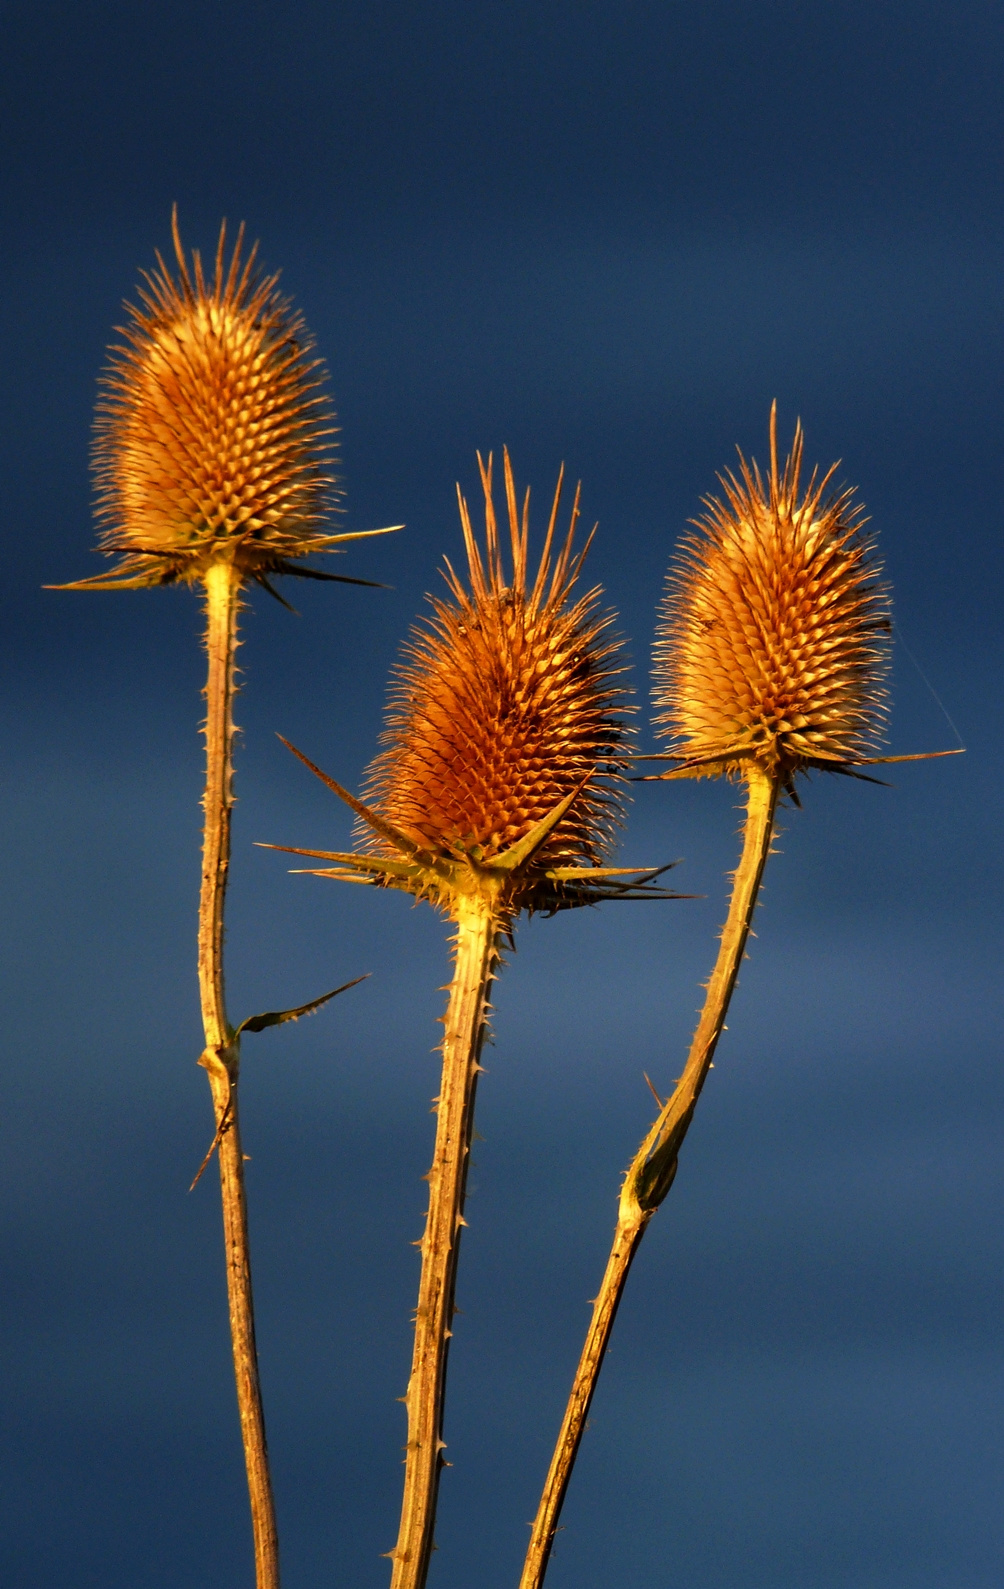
[
  {"x": 771, "y": 660},
  {"x": 213, "y": 457},
  {"x": 498, "y": 791}
]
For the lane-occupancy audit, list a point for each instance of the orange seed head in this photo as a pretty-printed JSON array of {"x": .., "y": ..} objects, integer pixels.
[
  {"x": 213, "y": 436},
  {"x": 772, "y": 642},
  {"x": 505, "y": 703}
]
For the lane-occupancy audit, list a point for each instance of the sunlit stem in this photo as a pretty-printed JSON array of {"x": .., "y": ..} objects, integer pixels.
[
  {"x": 222, "y": 1054},
  {"x": 651, "y": 1173},
  {"x": 475, "y": 963}
]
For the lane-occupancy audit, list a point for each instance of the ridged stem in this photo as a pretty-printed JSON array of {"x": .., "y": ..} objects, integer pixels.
[
  {"x": 221, "y": 1058},
  {"x": 651, "y": 1172},
  {"x": 475, "y": 962}
]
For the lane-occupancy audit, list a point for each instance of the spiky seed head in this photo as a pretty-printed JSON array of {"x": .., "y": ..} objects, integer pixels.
[
  {"x": 508, "y": 698},
  {"x": 772, "y": 642},
  {"x": 213, "y": 436}
]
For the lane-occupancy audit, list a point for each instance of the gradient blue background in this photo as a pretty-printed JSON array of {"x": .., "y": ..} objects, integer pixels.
[{"x": 609, "y": 235}]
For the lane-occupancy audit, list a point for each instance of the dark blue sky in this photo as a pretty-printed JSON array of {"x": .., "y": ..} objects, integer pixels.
[{"x": 608, "y": 236}]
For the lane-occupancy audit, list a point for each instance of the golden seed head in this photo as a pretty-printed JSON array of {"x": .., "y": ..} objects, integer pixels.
[
  {"x": 505, "y": 702},
  {"x": 772, "y": 642},
  {"x": 213, "y": 437}
]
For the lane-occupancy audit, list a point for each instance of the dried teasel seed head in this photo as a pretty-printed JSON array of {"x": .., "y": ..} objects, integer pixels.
[
  {"x": 213, "y": 436},
  {"x": 508, "y": 697},
  {"x": 772, "y": 643}
]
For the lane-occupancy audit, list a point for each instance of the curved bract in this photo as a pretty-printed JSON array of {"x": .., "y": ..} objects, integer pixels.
[{"x": 506, "y": 883}]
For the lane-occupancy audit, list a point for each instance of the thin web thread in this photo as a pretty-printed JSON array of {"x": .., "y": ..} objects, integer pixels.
[{"x": 935, "y": 696}]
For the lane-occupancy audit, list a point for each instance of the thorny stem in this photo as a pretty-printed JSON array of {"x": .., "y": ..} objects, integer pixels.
[
  {"x": 221, "y": 1058},
  {"x": 651, "y": 1172},
  {"x": 475, "y": 962}
]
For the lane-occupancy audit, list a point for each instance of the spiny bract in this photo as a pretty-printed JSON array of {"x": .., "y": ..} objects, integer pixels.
[
  {"x": 506, "y": 701},
  {"x": 213, "y": 438},
  {"x": 773, "y": 636}
]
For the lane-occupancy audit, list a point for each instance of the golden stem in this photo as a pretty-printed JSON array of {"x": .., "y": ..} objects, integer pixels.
[
  {"x": 222, "y": 1055},
  {"x": 475, "y": 962},
  {"x": 651, "y": 1172}
]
